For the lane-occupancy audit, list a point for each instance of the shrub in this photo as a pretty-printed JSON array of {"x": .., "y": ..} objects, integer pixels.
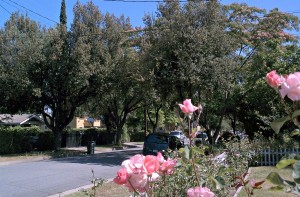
[
  {"x": 137, "y": 136},
  {"x": 17, "y": 139},
  {"x": 45, "y": 141},
  {"x": 100, "y": 135}
]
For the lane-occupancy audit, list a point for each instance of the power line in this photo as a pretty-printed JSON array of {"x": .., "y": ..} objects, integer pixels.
[
  {"x": 5, "y": 9},
  {"x": 145, "y": 1},
  {"x": 33, "y": 12}
]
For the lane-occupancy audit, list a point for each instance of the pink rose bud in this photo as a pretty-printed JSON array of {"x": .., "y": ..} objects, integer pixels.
[
  {"x": 273, "y": 79},
  {"x": 122, "y": 177},
  {"x": 187, "y": 107}
]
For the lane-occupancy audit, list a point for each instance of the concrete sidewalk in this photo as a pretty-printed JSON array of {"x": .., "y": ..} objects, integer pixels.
[{"x": 125, "y": 146}]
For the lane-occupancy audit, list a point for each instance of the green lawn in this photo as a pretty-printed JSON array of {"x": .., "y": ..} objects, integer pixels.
[
  {"x": 108, "y": 189},
  {"x": 260, "y": 173}
]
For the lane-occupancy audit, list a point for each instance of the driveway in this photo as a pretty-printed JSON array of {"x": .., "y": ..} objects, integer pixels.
[{"x": 49, "y": 177}]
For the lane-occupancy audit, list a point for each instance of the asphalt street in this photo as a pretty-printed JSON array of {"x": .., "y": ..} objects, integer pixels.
[{"x": 54, "y": 176}]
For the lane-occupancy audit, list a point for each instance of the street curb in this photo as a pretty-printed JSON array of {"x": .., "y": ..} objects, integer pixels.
[{"x": 78, "y": 189}]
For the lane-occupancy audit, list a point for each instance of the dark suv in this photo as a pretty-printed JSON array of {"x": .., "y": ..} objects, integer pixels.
[{"x": 158, "y": 142}]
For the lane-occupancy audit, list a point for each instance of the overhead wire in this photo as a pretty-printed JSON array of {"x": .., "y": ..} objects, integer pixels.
[
  {"x": 126, "y": 31},
  {"x": 40, "y": 15},
  {"x": 5, "y": 9},
  {"x": 145, "y": 1}
]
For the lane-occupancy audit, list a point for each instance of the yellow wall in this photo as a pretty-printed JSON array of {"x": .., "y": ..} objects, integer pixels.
[{"x": 83, "y": 123}]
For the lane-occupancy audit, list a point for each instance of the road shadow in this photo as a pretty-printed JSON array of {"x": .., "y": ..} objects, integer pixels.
[{"x": 114, "y": 158}]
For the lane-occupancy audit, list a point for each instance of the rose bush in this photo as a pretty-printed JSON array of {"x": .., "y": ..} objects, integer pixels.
[
  {"x": 190, "y": 171},
  {"x": 287, "y": 86},
  {"x": 137, "y": 172}
]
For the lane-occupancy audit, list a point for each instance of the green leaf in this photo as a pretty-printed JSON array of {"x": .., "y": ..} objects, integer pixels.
[
  {"x": 284, "y": 163},
  {"x": 276, "y": 188},
  {"x": 198, "y": 150},
  {"x": 185, "y": 155},
  {"x": 274, "y": 178},
  {"x": 296, "y": 113},
  {"x": 296, "y": 172},
  {"x": 277, "y": 124},
  {"x": 218, "y": 182},
  {"x": 289, "y": 183},
  {"x": 296, "y": 132},
  {"x": 222, "y": 170}
]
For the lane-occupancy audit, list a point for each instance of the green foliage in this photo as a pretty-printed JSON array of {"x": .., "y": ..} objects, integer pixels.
[
  {"x": 137, "y": 136},
  {"x": 45, "y": 141},
  {"x": 97, "y": 182},
  {"x": 221, "y": 175},
  {"x": 287, "y": 185},
  {"x": 17, "y": 139},
  {"x": 63, "y": 14},
  {"x": 100, "y": 136},
  {"x": 20, "y": 40},
  {"x": 191, "y": 171}
]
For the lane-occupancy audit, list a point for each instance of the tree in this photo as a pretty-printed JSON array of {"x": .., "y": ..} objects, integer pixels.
[
  {"x": 190, "y": 54},
  {"x": 69, "y": 71},
  {"x": 19, "y": 37},
  {"x": 63, "y": 13},
  {"x": 121, "y": 92},
  {"x": 263, "y": 44}
]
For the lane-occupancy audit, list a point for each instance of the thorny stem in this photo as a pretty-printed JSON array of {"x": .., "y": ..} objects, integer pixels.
[
  {"x": 194, "y": 167},
  {"x": 190, "y": 136},
  {"x": 193, "y": 159},
  {"x": 94, "y": 182},
  {"x": 134, "y": 190}
]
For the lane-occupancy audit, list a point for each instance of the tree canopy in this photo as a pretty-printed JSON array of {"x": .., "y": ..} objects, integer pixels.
[{"x": 216, "y": 55}]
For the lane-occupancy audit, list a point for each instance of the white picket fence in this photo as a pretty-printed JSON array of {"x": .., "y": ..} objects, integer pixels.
[{"x": 269, "y": 157}]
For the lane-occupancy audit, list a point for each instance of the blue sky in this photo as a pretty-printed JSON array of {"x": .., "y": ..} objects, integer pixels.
[{"x": 135, "y": 11}]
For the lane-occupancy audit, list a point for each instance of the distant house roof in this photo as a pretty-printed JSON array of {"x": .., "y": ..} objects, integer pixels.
[{"x": 20, "y": 119}]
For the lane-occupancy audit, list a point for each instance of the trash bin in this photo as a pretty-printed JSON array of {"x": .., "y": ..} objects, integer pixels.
[{"x": 91, "y": 147}]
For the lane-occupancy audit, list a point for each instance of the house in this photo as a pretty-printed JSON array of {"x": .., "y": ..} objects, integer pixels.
[
  {"x": 27, "y": 120},
  {"x": 23, "y": 120},
  {"x": 84, "y": 122}
]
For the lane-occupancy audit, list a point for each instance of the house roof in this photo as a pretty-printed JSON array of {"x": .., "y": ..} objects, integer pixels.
[{"x": 18, "y": 119}]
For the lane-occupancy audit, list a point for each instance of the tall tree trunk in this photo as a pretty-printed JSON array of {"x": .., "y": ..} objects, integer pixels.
[
  {"x": 57, "y": 138},
  {"x": 119, "y": 135}
]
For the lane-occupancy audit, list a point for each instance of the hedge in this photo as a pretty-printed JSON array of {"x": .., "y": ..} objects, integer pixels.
[
  {"x": 137, "y": 136},
  {"x": 25, "y": 139},
  {"x": 17, "y": 139}
]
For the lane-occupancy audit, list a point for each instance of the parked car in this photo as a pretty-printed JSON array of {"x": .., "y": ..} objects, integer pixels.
[
  {"x": 201, "y": 138},
  {"x": 159, "y": 142},
  {"x": 179, "y": 134}
]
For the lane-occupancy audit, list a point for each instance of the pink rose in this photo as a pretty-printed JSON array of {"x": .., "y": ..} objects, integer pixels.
[
  {"x": 291, "y": 87},
  {"x": 273, "y": 79},
  {"x": 168, "y": 166},
  {"x": 151, "y": 164},
  {"x": 138, "y": 182},
  {"x": 160, "y": 158},
  {"x": 122, "y": 176},
  {"x": 187, "y": 106},
  {"x": 200, "y": 192}
]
